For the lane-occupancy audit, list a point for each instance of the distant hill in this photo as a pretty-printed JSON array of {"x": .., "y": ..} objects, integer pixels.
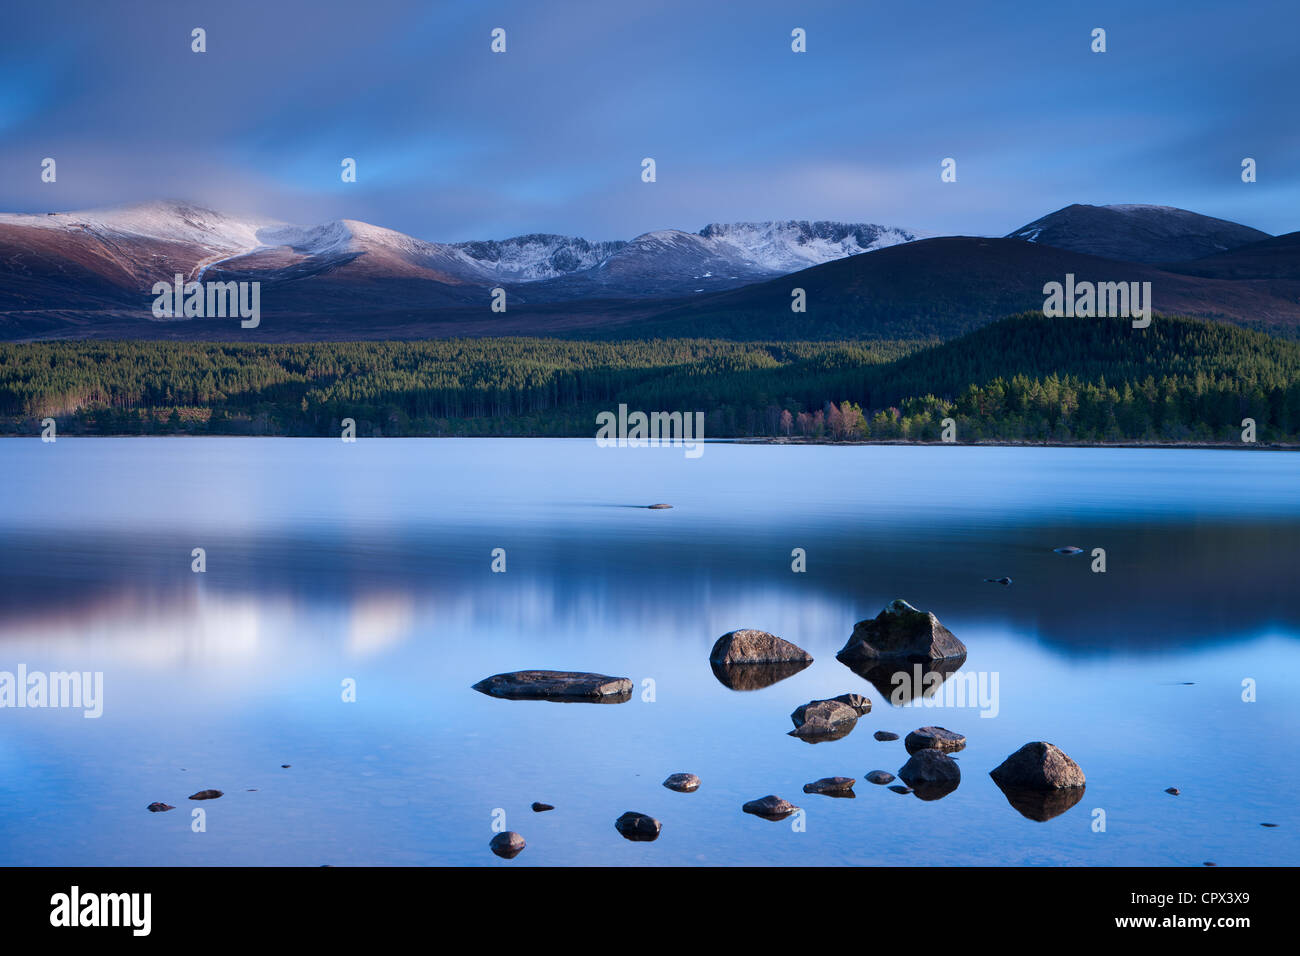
[
  {"x": 1137, "y": 233},
  {"x": 944, "y": 288}
]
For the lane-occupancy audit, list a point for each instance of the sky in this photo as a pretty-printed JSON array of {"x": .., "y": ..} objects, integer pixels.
[{"x": 454, "y": 142}]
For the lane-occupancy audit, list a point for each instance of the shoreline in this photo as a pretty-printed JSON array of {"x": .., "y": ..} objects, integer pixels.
[{"x": 815, "y": 442}]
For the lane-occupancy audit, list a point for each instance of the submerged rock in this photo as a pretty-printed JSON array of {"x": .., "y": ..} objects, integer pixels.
[
  {"x": 563, "y": 686},
  {"x": 997, "y": 581},
  {"x": 831, "y": 786},
  {"x": 507, "y": 845},
  {"x": 900, "y": 633},
  {"x": 930, "y": 774},
  {"x": 771, "y": 807},
  {"x": 880, "y": 777},
  {"x": 1038, "y": 766},
  {"x": 542, "y": 807},
  {"x": 755, "y": 676},
  {"x": 658, "y": 507},
  {"x": 820, "y": 720},
  {"x": 164, "y": 807},
  {"x": 748, "y": 646},
  {"x": 897, "y": 789},
  {"x": 1068, "y": 549},
  {"x": 934, "y": 738},
  {"x": 205, "y": 795},
  {"x": 638, "y": 827},
  {"x": 884, "y": 735},
  {"x": 682, "y": 782}
]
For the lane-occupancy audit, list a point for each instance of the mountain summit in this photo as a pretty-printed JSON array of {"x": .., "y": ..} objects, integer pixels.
[{"x": 1137, "y": 233}]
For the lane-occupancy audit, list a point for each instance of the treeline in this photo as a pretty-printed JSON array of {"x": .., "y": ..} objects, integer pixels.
[{"x": 1022, "y": 378}]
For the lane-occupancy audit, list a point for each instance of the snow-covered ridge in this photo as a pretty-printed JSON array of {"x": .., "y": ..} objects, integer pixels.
[{"x": 751, "y": 248}]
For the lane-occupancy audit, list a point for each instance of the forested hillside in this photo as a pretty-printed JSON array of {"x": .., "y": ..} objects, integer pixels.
[{"x": 1025, "y": 377}]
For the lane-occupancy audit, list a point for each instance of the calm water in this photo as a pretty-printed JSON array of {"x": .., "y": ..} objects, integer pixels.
[{"x": 371, "y": 562}]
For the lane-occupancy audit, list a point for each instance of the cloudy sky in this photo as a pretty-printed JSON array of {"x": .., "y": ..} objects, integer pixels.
[{"x": 455, "y": 142}]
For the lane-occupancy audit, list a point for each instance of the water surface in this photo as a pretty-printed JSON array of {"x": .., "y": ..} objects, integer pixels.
[{"x": 371, "y": 562}]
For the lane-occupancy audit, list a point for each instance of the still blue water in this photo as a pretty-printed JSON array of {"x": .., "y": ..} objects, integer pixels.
[{"x": 371, "y": 562}]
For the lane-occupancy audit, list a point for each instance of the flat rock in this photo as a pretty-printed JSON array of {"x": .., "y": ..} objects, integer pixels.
[
  {"x": 900, "y": 633},
  {"x": 771, "y": 807},
  {"x": 884, "y": 735},
  {"x": 205, "y": 795},
  {"x": 748, "y": 646},
  {"x": 638, "y": 827},
  {"x": 1037, "y": 766},
  {"x": 160, "y": 807},
  {"x": 563, "y": 686},
  {"x": 930, "y": 774},
  {"x": 682, "y": 782},
  {"x": 507, "y": 845},
  {"x": 880, "y": 777},
  {"x": 542, "y": 807},
  {"x": 830, "y": 785},
  {"x": 934, "y": 738}
]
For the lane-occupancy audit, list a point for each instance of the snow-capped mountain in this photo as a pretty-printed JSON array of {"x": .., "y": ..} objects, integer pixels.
[{"x": 113, "y": 257}]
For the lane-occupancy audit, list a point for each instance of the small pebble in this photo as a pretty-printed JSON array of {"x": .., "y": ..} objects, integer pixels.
[
  {"x": 1174, "y": 790},
  {"x": 205, "y": 795},
  {"x": 542, "y": 807},
  {"x": 881, "y": 777},
  {"x": 161, "y": 807}
]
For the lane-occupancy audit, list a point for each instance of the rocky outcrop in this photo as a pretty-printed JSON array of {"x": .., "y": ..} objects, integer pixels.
[
  {"x": 930, "y": 774},
  {"x": 563, "y": 686},
  {"x": 748, "y": 646},
  {"x": 1038, "y": 766},
  {"x": 900, "y": 633},
  {"x": 507, "y": 845},
  {"x": 771, "y": 807},
  {"x": 934, "y": 738},
  {"x": 638, "y": 827},
  {"x": 683, "y": 782}
]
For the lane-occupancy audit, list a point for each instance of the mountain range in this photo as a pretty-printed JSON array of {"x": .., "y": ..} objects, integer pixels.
[{"x": 90, "y": 274}]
